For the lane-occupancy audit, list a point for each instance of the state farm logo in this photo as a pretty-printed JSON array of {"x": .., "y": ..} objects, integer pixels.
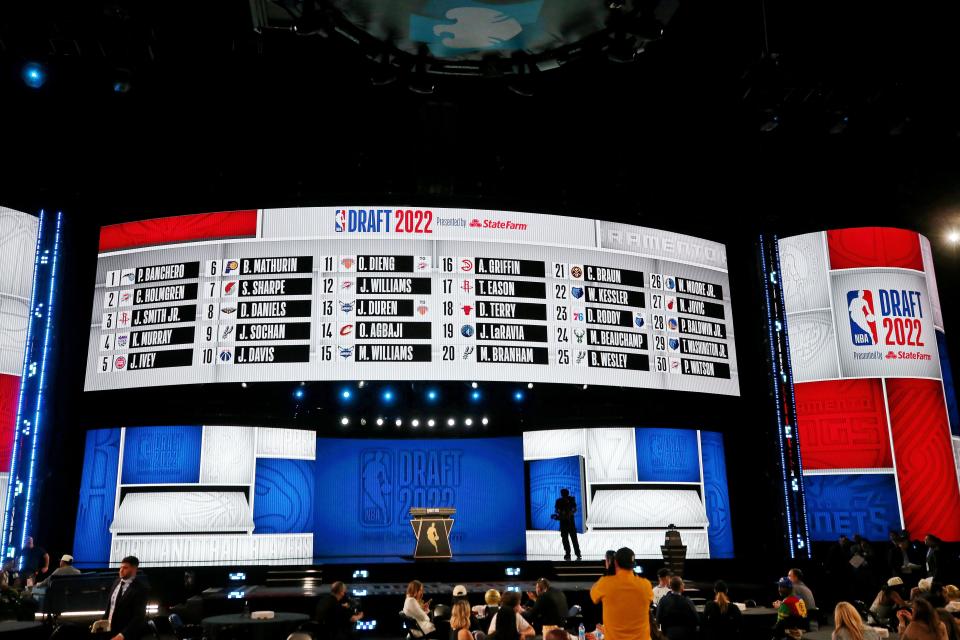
[{"x": 487, "y": 223}]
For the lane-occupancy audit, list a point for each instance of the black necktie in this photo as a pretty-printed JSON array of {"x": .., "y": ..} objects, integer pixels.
[{"x": 120, "y": 595}]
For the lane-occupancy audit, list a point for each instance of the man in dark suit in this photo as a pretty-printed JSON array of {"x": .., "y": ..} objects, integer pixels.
[
  {"x": 549, "y": 607},
  {"x": 334, "y": 616},
  {"x": 676, "y": 613},
  {"x": 564, "y": 510},
  {"x": 126, "y": 611}
]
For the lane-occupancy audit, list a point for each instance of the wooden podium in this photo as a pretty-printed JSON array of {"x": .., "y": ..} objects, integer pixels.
[{"x": 431, "y": 528}]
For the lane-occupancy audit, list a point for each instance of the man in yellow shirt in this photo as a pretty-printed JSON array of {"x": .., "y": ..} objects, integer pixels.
[{"x": 626, "y": 600}]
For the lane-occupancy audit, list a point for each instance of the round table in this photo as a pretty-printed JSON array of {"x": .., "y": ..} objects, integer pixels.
[{"x": 279, "y": 626}]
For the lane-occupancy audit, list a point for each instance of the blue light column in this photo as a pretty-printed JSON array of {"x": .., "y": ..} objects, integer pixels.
[
  {"x": 791, "y": 465},
  {"x": 34, "y": 383}
]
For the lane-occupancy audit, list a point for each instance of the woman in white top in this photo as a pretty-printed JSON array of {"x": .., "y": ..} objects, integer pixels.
[
  {"x": 414, "y": 607},
  {"x": 510, "y": 608},
  {"x": 848, "y": 625}
]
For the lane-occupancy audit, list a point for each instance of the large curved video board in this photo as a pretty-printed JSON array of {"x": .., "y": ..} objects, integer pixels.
[
  {"x": 876, "y": 412},
  {"x": 400, "y": 293}
]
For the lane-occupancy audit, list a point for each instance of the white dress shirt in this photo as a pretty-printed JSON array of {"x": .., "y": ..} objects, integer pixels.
[{"x": 124, "y": 584}]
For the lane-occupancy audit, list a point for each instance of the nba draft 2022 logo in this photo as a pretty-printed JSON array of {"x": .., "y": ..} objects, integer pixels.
[
  {"x": 376, "y": 488},
  {"x": 887, "y": 318},
  {"x": 393, "y": 481}
]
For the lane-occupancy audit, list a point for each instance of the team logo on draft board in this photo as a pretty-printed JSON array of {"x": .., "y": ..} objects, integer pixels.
[
  {"x": 347, "y": 263},
  {"x": 576, "y": 272},
  {"x": 128, "y": 277},
  {"x": 466, "y": 331},
  {"x": 672, "y": 325},
  {"x": 228, "y": 309},
  {"x": 123, "y": 319},
  {"x": 576, "y": 292},
  {"x": 376, "y": 488},
  {"x": 122, "y": 340},
  {"x": 675, "y": 365},
  {"x": 671, "y": 303},
  {"x": 340, "y": 220},
  {"x": 119, "y": 363},
  {"x": 230, "y": 267},
  {"x": 228, "y": 330},
  {"x": 346, "y": 329},
  {"x": 346, "y": 284},
  {"x": 467, "y": 309},
  {"x": 466, "y": 286},
  {"x": 670, "y": 283},
  {"x": 863, "y": 319},
  {"x": 346, "y": 352},
  {"x": 467, "y": 352},
  {"x": 578, "y": 316},
  {"x": 424, "y": 263},
  {"x": 346, "y": 307},
  {"x": 422, "y": 308},
  {"x": 126, "y": 298},
  {"x": 580, "y": 358},
  {"x": 639, "y": 321},
  {"x": 230, "y": 288},
  {"x": 224, "y": 355},
  {"x": 466, "y": 265},
  {"x": 579, "y": 335},
  {"x": 674, "y": 344}
]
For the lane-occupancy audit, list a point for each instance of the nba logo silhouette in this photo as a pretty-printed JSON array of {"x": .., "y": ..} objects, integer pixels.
[
  {"x": 863, "y": 320},
  {"x": 340, "y": 220},
  {"x": 376, "y": 489}
]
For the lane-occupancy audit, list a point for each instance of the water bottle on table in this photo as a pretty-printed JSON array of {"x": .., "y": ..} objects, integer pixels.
[{"x": 582, "y": 632}]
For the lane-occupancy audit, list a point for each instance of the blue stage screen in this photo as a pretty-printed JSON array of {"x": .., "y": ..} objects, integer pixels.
[
  {"x": 547, "y": 478},
  {"x": 162, "y": 455},
  {"x": 716, "y": 495},
  {"x": 365, "y": 489},
  {"x": 98, "y": 491},
  {"x": 850, "y": 504},
  {"x": 667, "y": 455}
]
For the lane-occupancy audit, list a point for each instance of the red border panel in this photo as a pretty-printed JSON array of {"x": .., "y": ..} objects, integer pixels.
[
  {"x": 929, "y": 494},
  {"x": 843, "y": 424},
  {"x": 9, "y": 398},
  {"x": 874, "y": 247},
  {"x": 199, "y": 226}
]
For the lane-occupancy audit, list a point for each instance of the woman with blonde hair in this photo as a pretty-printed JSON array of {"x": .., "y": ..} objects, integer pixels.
[
  {"x": 848, "y": 625},
  {"x": 460, "y": 621},
  {"x": 414, "y": 607}
]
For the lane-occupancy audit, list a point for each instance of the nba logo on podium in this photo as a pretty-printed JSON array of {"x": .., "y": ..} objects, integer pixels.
[
  {"x": 376, "y": 490},
  {"x": 863, "y": 320},
  {"x": 340, "y": 221}
]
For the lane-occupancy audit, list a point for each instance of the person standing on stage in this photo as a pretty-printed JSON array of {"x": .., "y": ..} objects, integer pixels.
[{"x": 564, "y": 511}]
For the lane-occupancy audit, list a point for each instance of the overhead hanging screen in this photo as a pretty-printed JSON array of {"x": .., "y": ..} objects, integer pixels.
[{"x": 407, "y": 293}]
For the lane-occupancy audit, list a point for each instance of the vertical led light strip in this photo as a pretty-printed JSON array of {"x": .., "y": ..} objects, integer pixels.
[
  {"x": 795, "y": 517},
  {"x": 20, "y": 492}
]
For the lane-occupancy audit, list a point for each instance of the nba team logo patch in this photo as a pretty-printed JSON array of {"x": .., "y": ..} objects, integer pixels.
[
  {"x": 340, "y": 220},
  {"x": 863, "y": 319},
  {"x": 376, "y": 487}
]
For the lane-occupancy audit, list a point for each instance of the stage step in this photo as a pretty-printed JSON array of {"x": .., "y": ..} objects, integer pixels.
[
  {"x": 571, "y": 569},
  {"x": 279, "y": 577}
]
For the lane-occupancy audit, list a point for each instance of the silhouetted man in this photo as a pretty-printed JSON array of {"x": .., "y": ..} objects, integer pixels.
[
  {"x": 126, "y": 613},
  {"x": 564, "y": 510}
]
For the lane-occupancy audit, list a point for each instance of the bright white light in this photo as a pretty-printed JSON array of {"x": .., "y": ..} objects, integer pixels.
[
  {"x": 529, "y": 385},
  {"x": 473, "y": 384},
  {"x": 431, "y": 422},
  {"x": 415, "y": 423},
  {"x": 379, "y": 422},
  {"x": 953, "y": 237},
  {"x": 468, "y": 422},
  {"x": 344, "y": 420},
  {"x": 485, "y": 420},
  {"x": 451, "y": 422},
  {"x": 398, "y": 422}
]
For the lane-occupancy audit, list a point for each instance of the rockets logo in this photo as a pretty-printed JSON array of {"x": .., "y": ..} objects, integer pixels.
[
  {"x": 340, "y": 221},
  {"x": 863, "y": 319},
  {"x": 466, "y": 286}
]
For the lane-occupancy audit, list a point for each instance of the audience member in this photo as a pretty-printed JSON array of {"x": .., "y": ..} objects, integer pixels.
[
  {"x": 334, "y": 617},
  {"x": 888, "y": 600},
  {"x": 721, "y": 618},
  {"x": 922, "y": 623},
  {"x": 125, "y": 617},
  {"x": 677, "y": 614},
  {"x": 492, "y": 600},
  {"x": 460, "y": 593},
  {"x": 508, "y": 620},
  {"x": 550, "y": 606},
  {"x": 952, "y": 594},
  {"x": 415, "y": 607},
  {"x": 847, "y": 624},
  {"x": 66, "y": 568},
  {"x": 663, "y": 585},
  {"x": 801, "y": 590},
  {"x": 950, "y": 623},
  {"x": 933, "y": 555},
  {"x": 791, "y": 611},
  {"x": 460, "y": 621},
  {"x": 36, "y": 562},
  {"x": 626, "y": 600},
  {"x": 609, "y": 566}
]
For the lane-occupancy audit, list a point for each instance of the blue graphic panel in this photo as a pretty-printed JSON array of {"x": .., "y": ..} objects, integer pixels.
[
  {"x": 716, "y": 495},
  {"x": 161, "y": 455},
  {"x": 455, "y": 27},
  {"x": 667, "y": 455},
  {"x": 547, "y": 477},
  {"x": 946, "y": 373},
  {"x": 98, "y": 491},
  {"x": 850, "y": 504},
  {"x": 368, "y": 487},
  {"x": 284, "y": 493}
]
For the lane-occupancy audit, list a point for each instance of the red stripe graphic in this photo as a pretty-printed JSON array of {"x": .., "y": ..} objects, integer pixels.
[
  {"x": 925, "y": 466},
  {"x": 874, "y": 247},
  {"x": 843, "y": 424},
  {"x": 199, "y": 226},
  {"x": 9, "y": 397}
]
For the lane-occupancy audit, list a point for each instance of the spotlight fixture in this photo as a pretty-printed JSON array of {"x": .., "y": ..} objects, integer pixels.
[
  {"x": 953, "y": 237},
  {"x": 361, "y": 384},
  {"x": 346, "y": 394},
  {"x": 414, "y": 423},
  {"x": 431, "y": 422},
  {"x": 243, "y": 384},
  {"x": 34, "y": 75},
  {"x": 387, "y": 395},
  {"x": 518, "y": 396},
  {"x": 468, "y": 422},
  {"x": 379, "y": 422},
  {"x": 451, "y": 422},
  {"x": 398, "y": 422},
  {"x": 474, "y": 385},
  {"x": 298, "y": 394},
  {"x": 485, "y": 421},
  {"x": 344, "y": 420},
  {"x": 432, "y": 394},
  {"x": 529, "y": 385},
  {"x": 475, "y": 395}
]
